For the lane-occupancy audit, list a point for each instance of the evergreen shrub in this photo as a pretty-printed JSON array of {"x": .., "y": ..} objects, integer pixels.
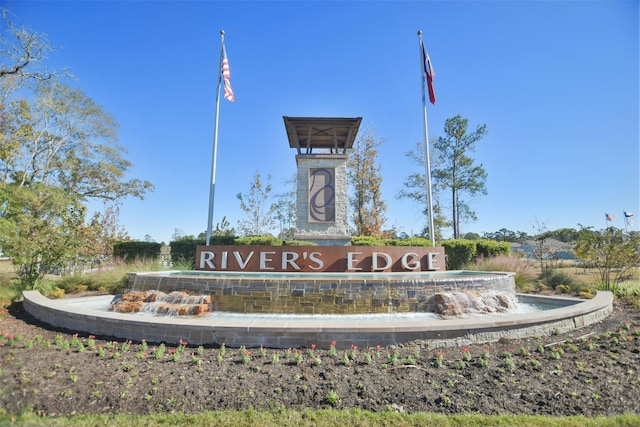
[
  {"x": 377, "y": 241},
  {"x": 490, "y": 248},
  {"x": 185, "y": 249},
  {"x": 299, "y": 243},
  {"x": 459, "y": 252},
  {"x": 366, "y": 241},
  {"x": 413, "y": 241},
  {"x": 131, "y": 251},
  {"x": 552, "y": 278},
  {"x": 258, "y": 240}
]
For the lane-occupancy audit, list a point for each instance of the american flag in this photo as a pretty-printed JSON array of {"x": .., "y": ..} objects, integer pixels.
[
  {"x": 609, "y": 217},
  {"x": 427, "y": 69},
  {"x": 226, "y": 74}
]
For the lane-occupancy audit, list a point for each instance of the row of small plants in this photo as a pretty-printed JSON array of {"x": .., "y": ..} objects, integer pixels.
[{"x": 385, "y": 357}]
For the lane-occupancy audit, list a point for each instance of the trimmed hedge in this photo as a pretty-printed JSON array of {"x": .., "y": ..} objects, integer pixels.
[
  {"x": 131, "y": 251},
  {"x": 490, "y": 248},
  {"x": 459, "y": 252},
  {"x": 375, "y": 241},
  {"x": 258, "y": 240},
  {"x": 298, "y": 243},
  {"x": 366, "y": 241},
  {"x": 414, "y": 241},
  {"x": 185, "y": 249}
]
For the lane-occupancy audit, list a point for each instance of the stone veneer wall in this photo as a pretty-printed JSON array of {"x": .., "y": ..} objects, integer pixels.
[
  {"x": 287, "y": 334},
  {"x": 336, "y": 233},
  {"x": 315, "y": 295}
]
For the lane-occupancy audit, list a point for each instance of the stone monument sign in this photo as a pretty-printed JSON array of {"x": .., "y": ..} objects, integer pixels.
[{"x": 322, "y": 200}]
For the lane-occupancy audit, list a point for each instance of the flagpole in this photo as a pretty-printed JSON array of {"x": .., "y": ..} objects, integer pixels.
[
  {"x": 426, "y": 143},
  {"x": 212, "y": 189}
]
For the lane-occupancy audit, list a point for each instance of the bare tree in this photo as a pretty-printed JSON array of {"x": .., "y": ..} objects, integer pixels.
[
  {"x": 22, "y": 52},
  {"x": 255, "y": 204}
]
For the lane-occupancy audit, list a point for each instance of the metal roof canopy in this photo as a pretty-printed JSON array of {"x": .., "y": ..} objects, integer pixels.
[{"x": 332, "y": 133}]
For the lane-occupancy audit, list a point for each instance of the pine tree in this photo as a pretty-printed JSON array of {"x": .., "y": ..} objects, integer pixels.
[{"x": 457, "y": 171}]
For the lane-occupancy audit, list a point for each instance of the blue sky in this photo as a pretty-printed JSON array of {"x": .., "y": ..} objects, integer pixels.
[{"x": 555, "y": 82}]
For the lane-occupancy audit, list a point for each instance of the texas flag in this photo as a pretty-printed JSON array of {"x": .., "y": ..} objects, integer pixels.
[
  {"x": 429, "y": 74},
  {"x": 627, "y": 217}
]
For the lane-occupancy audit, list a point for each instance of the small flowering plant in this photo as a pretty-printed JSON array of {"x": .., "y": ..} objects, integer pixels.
[
  {"x": 466, "y": 354},
  {"x": 345, "y": 358},
  {"x": 332, "y": 349},
  {"x": 11, "y": 339},
  {"x": 353, "y": 352},
  {"x": 91, "y": 342},
  {"x": 439, "y": 360},
  {"x": 311, "y": 349},
  {"x": 246, "y": 355},
  {"x": 378, "y": 352},
  {"x": 181, "y": 345},
  {"x": 485, "y": 354}
]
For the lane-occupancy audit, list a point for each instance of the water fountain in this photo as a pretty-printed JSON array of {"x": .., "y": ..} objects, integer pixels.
[
  {"x": 89, "y": 314},
  {"x": 295, "y": 296}
]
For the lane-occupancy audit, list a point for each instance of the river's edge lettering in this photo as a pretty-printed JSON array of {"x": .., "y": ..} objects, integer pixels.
[{"x": 350, "y": 259}]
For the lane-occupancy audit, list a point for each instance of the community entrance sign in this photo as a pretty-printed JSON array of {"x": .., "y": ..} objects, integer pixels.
[{"x": 349, "y": 259}]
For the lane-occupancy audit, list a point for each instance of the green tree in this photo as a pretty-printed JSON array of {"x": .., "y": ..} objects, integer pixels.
[
  {"x": 415, "y": 188},
  {"x": 504, "y": 235},
  {"x": 566, "y": 235},
  {"x": 611, "y": 252},
  {"x": 257, "y": 207},
  {"x": 101, "y": 233},
  {"x": 365, "y": 179},
  {"x": 58, "y": 148},
  {"x": 65, "y": 139},
  {"x": 41, "y": 228},
  {"x": 456, "y": 170}
]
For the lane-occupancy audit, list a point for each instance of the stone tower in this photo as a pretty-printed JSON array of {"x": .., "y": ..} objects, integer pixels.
[{"x": 322, "y": 189}]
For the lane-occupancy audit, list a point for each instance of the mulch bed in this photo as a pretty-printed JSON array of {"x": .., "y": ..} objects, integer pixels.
[{"x": 592, "y": 371}]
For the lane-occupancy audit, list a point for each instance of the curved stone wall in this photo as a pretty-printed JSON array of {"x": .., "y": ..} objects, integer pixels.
[{"x": 270, "y": 331}]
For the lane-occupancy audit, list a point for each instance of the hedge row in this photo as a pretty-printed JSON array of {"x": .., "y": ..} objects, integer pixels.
[
  {"x": 130, "y": 251},
  {"x": 375, "y": 241},
  {"x": 461, "y": 252},
  {"x": 185, "y": 249}
]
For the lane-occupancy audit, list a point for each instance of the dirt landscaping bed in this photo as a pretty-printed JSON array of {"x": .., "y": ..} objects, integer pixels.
[{"x": 593, "y": 371}]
